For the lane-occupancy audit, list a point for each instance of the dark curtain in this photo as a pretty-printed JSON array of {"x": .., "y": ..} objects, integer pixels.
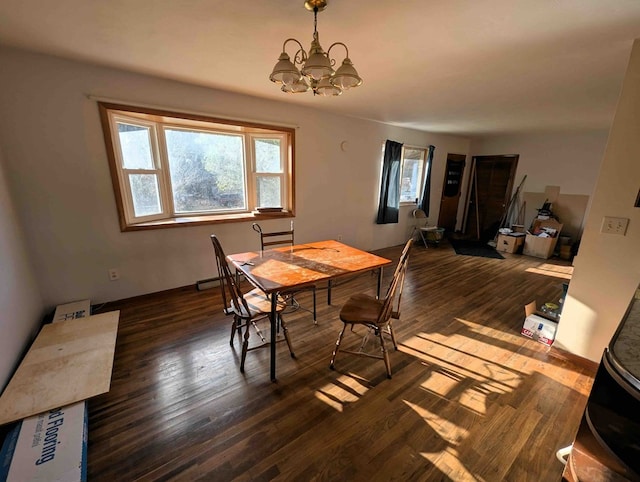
[
  {"x": 426, "y": 191},
  {"x": 390, "y": 186}
]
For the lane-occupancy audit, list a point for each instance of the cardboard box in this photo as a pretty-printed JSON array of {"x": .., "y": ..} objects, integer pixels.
[
  {"x": 541, "y": 247},
  {"x": 539, "y": 225},
  {"x": 537, "y": 326},
  {"x": 71, "y": 311},
  {"x": 565, "y": 251},
  {"x": 509, "y": 244},
  {"x": 49, "y": 446}
]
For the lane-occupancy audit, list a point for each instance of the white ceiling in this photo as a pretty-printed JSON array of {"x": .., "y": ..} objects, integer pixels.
[{"x": 464, "y": 67}]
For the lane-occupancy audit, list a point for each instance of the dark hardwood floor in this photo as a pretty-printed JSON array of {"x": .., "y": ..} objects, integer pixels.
[{"x": 470, "y": 398}]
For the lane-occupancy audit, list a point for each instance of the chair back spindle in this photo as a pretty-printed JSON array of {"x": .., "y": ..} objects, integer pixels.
[
  {"x": 395, "y": 288},
  {"x": 276, "y": 238},
  {"x": 232, "y": 297}
]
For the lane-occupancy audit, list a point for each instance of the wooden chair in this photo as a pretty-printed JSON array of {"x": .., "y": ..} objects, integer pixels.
[
  {"x": 247, "y": 309},
  {"x": 286, "y": 238},
  {"x": 375, "y": 314}
]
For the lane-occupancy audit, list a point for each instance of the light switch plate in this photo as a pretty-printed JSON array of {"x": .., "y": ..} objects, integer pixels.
[{"x": 614, "y": 225}]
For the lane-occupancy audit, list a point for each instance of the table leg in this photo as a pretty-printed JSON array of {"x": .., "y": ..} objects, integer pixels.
[
  {"x": 379, "y": 281},
  {"x": 329, "y": 292},
  {"x": 274, "y": 323}
]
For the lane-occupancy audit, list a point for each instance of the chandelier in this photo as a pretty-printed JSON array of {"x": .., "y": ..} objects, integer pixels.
[{"x": 316, "y": 72}]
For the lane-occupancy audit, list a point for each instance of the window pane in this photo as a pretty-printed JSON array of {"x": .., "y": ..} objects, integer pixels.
[
  {"x": 411, "y": 175},
  {"x": 135, "y": 142},
  {"x": 416, "y": 154},
  {"x": 268, "y": 155},
  {"x": 207, "y": 171},
  {"x": 409, "y": 183},
  {"x": 268, "y": 192},
  {"x": 146, "y": 198}
]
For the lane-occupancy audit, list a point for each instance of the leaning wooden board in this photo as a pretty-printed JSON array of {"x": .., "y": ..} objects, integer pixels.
[{"x": 68, "y": 362}]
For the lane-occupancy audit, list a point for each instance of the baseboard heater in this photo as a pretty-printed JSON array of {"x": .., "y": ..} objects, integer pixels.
[{"x": 205, "y": 284}]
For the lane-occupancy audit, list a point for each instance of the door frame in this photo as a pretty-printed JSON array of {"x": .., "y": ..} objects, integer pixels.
[{"x": 508, "y": 191}]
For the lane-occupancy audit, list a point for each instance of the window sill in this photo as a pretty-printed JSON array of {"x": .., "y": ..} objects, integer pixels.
[{"x": 188, "y": 221}]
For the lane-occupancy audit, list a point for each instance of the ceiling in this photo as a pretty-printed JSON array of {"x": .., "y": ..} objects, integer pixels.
[{"x": 461, "y": 67}]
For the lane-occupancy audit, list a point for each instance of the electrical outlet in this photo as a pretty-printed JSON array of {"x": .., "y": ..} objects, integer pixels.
[
  {"x": 339, "y": 237},
  {"x": 114, "y": 274},
  {"x": 614, "y": 225}
]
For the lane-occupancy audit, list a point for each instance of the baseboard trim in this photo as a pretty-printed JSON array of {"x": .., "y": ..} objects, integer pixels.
[{"x": 585, "y": 363}]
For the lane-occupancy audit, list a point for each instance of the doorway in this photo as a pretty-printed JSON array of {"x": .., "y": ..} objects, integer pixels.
[
  {"x": 489, "y": 190},
  {"x": 451, "y": 191}
]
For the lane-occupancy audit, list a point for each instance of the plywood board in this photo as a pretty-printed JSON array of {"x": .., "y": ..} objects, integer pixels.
[
  {"x": 69, "y": 361},
  {"x": 552, "y": 193},
  {"x": 570, "y": 209}
]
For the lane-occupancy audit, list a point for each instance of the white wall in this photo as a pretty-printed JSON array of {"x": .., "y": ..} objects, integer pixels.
[
  {"x": 58, "y": 168},
  {"x": 570, "y": 159},
  {"x": 20, "y": 302},
  {"x": 607, "y": 268}
]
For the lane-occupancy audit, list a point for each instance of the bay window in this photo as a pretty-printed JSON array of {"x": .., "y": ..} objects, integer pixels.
[{"x": 173, "y": 169}]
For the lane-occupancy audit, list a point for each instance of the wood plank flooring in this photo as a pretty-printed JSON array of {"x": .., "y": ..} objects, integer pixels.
[{"x": 470, "y": 398}]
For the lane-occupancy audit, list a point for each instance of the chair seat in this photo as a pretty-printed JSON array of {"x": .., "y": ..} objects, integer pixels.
[
  {"x": 361, "y": 309},
  {"x": 259, "y": 303}
]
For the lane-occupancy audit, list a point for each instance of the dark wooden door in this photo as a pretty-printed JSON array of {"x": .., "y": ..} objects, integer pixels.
[
  {"x": 451, "y": 190},
  {"x": 489, "y": 192}
]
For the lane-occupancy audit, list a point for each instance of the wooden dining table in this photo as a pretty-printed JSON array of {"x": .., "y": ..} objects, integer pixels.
[{"x": 282, "y": 269}]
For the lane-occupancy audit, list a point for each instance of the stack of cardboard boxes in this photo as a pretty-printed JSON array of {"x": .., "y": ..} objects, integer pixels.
[{"x": 540, "y": 241}]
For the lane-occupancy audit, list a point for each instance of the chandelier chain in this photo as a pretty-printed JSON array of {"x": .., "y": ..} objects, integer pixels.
[{"x": 315, "y": 21}]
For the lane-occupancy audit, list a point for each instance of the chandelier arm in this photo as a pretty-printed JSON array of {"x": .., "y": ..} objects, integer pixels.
[
  {"x": 284, "y": 45},
  {"x": 337, "y": 43},
  {"x": 300, "y": 56}
]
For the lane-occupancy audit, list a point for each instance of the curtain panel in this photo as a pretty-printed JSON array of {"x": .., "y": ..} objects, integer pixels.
[
  {"x": 426, "y": 190},
  {"x": 390, "y": 186}
]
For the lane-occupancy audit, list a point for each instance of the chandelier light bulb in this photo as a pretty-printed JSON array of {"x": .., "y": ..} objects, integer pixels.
[
  {"x": 285, "y": 72},
  {"x": 318, "y": 65},
  {"x": 346, "y": 76},
  {"x": 327, "y": 89},
  {"x": 299, "y": 87}
]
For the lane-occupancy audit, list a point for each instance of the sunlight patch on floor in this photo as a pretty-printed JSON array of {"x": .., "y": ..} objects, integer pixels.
[
  {"x": 344, "y": 390},
  {"x": 448, "y": 431},
  {"x": 476, "y": 364},
  {"x": 447, "y": 462},
  {"x": 472, "y": 393},
  {"x": 467, "y": 378},
  {"x": 564, "y": 272}
]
